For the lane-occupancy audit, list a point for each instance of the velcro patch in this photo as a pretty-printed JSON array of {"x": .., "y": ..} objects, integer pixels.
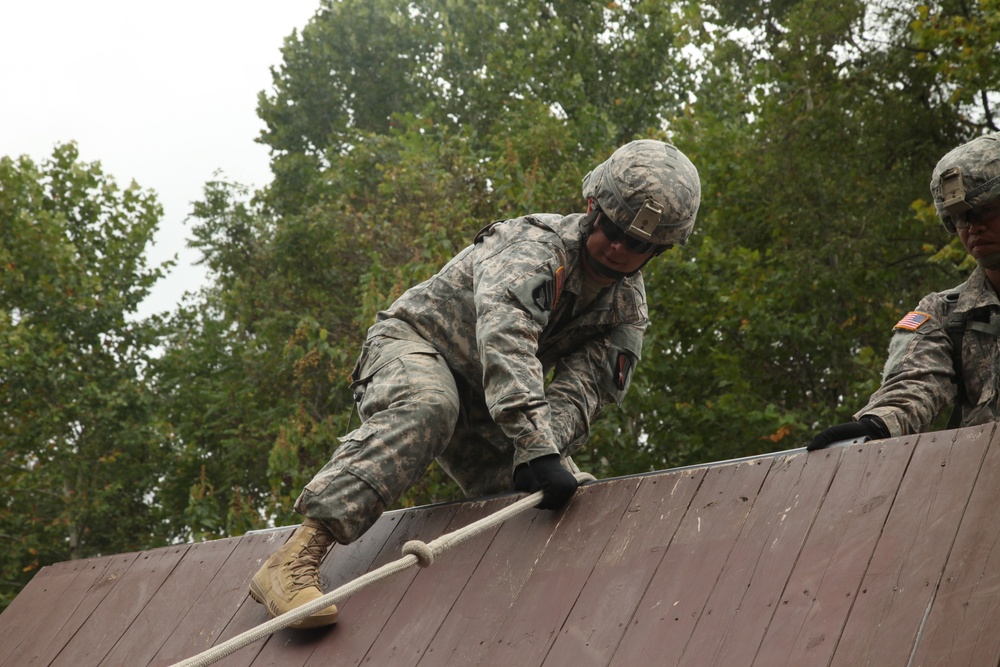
[
  {"x": 546, "y": 295},
  {"x": 913, "y": 320}
]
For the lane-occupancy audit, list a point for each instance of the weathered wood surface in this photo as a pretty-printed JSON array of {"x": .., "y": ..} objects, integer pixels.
[{"x": 877, "y": 554}]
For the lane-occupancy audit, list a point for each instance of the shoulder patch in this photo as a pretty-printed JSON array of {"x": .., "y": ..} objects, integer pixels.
[
  {"x": 622, "y": 370},
  {"x": 913, "y": 320},
  {"x": 546, "y": 295}
]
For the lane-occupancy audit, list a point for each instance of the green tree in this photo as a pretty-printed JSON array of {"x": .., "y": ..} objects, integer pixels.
[
  {"x": 816, "y": 133},
  {"x": 610, "y": 71},
  {"x": 398, "y": 129},
  {"x": 256, "y": 373},
  {"x": 79, "y": 447}
]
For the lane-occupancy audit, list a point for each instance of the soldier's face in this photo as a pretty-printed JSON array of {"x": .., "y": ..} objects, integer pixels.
[
  {"x": 615, "y": 255},
  {"x": 981, "y": 233}
]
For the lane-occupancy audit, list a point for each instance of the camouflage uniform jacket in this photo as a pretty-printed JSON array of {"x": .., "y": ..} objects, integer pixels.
[
  {"x": 504, "y": 315},
  {"x": 919, "y": 378}
]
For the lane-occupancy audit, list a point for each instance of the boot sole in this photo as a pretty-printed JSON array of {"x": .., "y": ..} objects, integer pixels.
[{"x": 309, "y": 622}]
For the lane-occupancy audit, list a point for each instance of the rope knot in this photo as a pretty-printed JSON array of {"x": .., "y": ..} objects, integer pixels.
[{"x": 423, "y": 552}]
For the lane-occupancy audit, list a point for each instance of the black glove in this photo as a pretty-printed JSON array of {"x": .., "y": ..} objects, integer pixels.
[
  {"x": 546, "y": 474},
  {"x": 868, "y": 426}
]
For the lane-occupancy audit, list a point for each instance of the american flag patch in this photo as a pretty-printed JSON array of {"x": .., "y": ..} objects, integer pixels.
[{"x": 912, "y": 321}]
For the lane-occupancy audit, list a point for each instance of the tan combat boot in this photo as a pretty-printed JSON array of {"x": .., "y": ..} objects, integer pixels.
[{"x": 290, "y": 577}]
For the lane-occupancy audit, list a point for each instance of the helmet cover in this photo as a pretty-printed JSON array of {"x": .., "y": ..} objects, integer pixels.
[
  {"x": 967, "y": 177},
  {"x": 649, "y": 189}
]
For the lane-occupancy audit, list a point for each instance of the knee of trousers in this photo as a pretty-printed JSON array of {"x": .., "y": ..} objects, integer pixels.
[
  {"x": 348, "y": 506},
  {"x": 430, "y": 410}
]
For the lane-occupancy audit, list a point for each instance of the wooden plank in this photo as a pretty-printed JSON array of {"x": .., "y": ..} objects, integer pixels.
[
  {"x": 122, "y": 605},
  {"x": 217, "y": 604},
  {"x": 469, "y": 629},
  {"x": 548, "y": 595},
  {"x": 434, "y": 590},
  {"x": 29, "y": 615},
  {"x": 849, "y": 556},
  {"x": 679, "y": 590},
  {"x": 343, "y": 563},
  {"x": 173, "y": 600},
  {"x": 363, "y": 616},
  {"x": 827, "y": 577},
  {"x": 57, "y": 615},
  {"x": 749, "y": 589},
  {"x": 178, "y": 608},
  {"x": 913, "y": 549},
  {"x": 253, "y": 550},
  {"x": 610, "y": 596},
  {"x": 961, "y": 628}
]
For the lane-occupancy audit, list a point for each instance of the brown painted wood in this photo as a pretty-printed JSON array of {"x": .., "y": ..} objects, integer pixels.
[
  {"x": 879, "y": 554},
  {"x": 434, "y": 590},
  {"x": 827, "y": 577},
  {"x": 903, "y": 575},
  {"x": 124, "y": 602},
  {"x": 215, "y": 602},
  {"x": 677, "y": 594},
  {"x": 343, "y": 564},
  {"x": 608, "y": 600},
  {"x": 748, "y": 591},
  {"x": 365, "y": 614},
  {"x": 27, "y": 614},
  {"x": 253, "y": 550},
  {"x": 548, "y": 595},
  {"x": 469, "y": 629},
  {"x": 63, "y": 614},
  {"x": 176, "y": 598},
  {"x": 961, "y": 628},
  {"x": 49, "y": 598}
]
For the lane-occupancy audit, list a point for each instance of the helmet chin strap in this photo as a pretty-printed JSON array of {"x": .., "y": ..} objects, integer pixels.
[
  {"x": 599, "y": 268},
  {"x": 608, "y": 272}
]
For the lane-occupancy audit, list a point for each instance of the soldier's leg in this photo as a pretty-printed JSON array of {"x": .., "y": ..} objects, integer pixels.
[
  {"x": 408, "y": 398},
  {"x": 410, "y": 406}
]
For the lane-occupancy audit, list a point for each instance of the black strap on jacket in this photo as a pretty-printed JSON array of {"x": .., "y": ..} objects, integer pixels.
[
  {"x": 957, "y": 325},
  {"x": 956, "y": 331}
]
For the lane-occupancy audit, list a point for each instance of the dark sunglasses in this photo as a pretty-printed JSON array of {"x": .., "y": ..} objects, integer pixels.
[
  {"x": 979, "y": 215},
  {"x": 616, "y": 234}
]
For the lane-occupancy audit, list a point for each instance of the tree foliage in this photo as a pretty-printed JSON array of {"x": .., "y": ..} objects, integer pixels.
[
  {"x": 79, "y": 455},
  {"x": 393, "y": 145}
]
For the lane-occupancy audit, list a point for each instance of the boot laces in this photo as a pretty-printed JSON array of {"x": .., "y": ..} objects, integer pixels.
[{"x": 305, "y": 568}]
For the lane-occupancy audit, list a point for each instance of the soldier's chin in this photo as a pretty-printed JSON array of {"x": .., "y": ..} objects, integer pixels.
[{"x": 991, "y": 261}]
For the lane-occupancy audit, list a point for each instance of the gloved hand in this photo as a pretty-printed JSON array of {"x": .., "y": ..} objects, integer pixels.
[
  {"x": 868, "y": 426},
  {"x": 546, "y": 474}
]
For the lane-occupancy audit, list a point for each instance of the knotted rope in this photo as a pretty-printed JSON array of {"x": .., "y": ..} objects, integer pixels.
[{"x": 415, "y": 553}]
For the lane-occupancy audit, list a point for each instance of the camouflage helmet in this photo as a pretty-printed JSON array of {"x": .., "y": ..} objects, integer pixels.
[
  {"x": 965, "y": 178},
  {"x": 649, "y": 189}
]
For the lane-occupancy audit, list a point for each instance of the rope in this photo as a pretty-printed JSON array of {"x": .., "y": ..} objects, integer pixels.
[{"x": 415, "y": 553}]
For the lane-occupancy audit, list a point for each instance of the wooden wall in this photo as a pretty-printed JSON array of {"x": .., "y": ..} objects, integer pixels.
[{"x": 876, "y": 554}]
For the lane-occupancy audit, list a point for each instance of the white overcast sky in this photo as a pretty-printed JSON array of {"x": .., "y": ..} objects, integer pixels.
[{"x": 163, "y": 93}]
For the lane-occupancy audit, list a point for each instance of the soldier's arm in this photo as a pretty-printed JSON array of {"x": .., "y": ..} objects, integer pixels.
[{"x": 919, "y": 380}]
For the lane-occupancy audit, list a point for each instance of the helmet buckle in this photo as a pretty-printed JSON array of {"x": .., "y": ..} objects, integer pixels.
[{"x": 646, "y": 220}]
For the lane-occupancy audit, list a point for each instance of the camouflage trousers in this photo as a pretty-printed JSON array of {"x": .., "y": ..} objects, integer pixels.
[{"x": 412, "y": 414}]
